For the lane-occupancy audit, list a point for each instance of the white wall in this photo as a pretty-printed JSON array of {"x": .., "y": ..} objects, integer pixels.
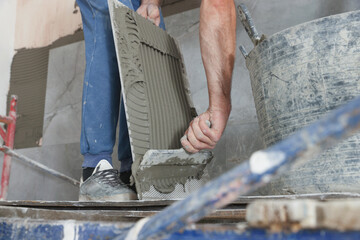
[
  {"x": 41, "y": 22},
  {"x": 49, "y": 18},
  {"x": 7, "y": 28}
]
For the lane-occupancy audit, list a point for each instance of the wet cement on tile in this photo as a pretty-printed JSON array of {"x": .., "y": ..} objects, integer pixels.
[{"x": 157, "y": 96}]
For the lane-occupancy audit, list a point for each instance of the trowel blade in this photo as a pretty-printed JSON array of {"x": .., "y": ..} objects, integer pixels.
[
  {"x": 165, "y": 157},
  {"x": 168, "y": 173}
]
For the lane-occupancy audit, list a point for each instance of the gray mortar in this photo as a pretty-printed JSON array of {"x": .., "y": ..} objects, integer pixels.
[
  {"x": 154, "y": 176},
  {"x": 297, "y": 76},
  {"x": 178, "y": 165},
  {"x": 156, "y": 92}
]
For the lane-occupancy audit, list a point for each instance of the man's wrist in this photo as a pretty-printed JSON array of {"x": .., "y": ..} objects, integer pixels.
[{"x": 223, "y": 105}]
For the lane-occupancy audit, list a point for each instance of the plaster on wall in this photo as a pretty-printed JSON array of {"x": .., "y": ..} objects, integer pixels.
[{"x": 40, "y": 22}]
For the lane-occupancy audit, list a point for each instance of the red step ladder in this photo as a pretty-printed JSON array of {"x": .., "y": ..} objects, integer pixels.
[{"x": 8, "y": 137}]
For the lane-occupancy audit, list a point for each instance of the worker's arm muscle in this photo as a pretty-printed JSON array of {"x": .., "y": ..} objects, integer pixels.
[{"x": 217, "y": 43}]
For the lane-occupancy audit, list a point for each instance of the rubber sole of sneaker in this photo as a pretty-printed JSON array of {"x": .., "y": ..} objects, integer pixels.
[{"x": 113, "y": 198}]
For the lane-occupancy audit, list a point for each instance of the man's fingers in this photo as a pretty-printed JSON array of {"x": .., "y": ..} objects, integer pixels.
[
  {"x": 197, "y": 127},
  {"x": 187, "y": 145},
  {"x": 212, "y": 133},
  {"x": 154, "y": 14},
  {"x": 195, "y": 142},
  {"x": 203, "y": 133},
  {"x": 150, "y": 12},
  {"x": 142, "y": 10},
  {"x": 153, "y": 11},
  {"x": 157, "y": 21},
  {"x": 208, "y": 129}
]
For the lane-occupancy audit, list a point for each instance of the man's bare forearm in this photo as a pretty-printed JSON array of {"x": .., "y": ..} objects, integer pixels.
[{"x": 217, "y": 43}]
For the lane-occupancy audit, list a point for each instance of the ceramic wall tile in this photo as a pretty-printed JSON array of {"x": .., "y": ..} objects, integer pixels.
[{"x": 63, "y": 94}]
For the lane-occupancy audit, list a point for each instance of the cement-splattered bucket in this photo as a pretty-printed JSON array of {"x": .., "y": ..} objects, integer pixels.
[{"x": 297, "y": 76}]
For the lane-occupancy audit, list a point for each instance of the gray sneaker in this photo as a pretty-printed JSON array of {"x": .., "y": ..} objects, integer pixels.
[{"x": 104, "y": 185}]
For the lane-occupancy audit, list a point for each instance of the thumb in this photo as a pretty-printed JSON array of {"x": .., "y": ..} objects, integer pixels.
[
  {"x": 152, "y": 11},
  {"x": 142, "y": 10}
]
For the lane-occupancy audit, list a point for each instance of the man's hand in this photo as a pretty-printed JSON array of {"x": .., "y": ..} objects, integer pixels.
[
  {"x": 205, "y": 130},
  {"x": 149, "y": 9}
]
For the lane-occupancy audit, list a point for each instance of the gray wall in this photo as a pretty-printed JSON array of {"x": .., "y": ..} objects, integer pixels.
[{"x": 60, "y": 149}]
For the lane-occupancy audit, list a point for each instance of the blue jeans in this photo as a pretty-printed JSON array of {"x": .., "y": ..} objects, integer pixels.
[{"x": 101, "y": 91}]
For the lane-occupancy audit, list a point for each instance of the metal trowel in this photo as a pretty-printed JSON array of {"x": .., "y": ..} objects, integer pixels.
[{"x": 171, "y": 174}]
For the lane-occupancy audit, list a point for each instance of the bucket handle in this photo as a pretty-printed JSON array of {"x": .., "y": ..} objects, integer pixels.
[{"x": 249, "y": 26}]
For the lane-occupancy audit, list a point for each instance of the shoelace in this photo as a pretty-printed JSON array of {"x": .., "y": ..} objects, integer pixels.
[{"x": 110, "y": 176}]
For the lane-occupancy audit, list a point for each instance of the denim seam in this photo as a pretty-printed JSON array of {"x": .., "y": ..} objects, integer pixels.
[
  {"x": 90, "y": 67},
  {"x": 92, "y": 10}
]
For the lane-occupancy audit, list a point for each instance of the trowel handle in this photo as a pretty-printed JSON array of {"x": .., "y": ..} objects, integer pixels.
[
  {"x": 208, "y": 123},
  {"x": 248, "y": 24}
]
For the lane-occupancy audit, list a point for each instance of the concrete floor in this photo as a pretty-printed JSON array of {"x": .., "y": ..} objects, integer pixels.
[{"x": 60, "y": 149}]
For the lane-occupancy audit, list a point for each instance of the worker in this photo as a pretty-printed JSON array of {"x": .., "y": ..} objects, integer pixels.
[{"x": 101, "y": 105}]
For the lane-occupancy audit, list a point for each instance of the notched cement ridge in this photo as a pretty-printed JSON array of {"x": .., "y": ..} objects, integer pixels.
[
  {"x": 181, "y": 168},
  {"x": 156, "y": 91}
]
